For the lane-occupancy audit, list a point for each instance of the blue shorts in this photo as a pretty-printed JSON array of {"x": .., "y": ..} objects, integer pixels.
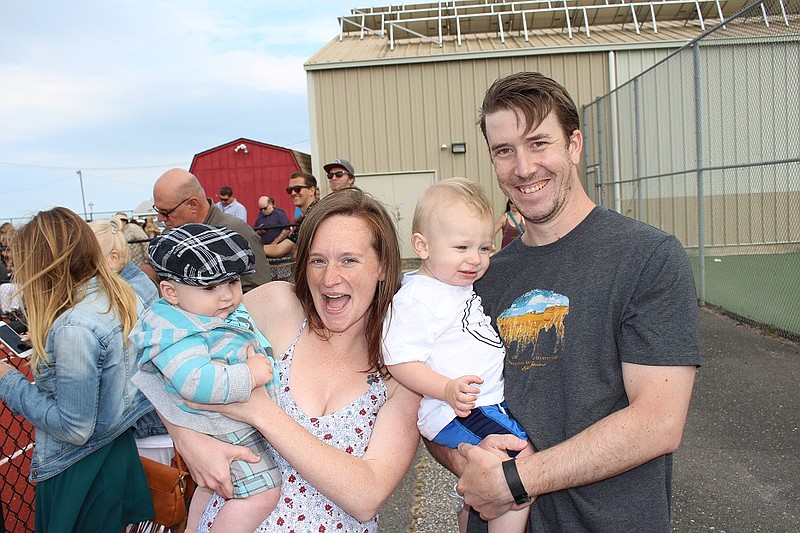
[{"x": 481, "y": 422}]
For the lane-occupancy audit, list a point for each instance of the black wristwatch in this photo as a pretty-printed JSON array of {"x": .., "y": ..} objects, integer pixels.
[{"x": 514, "y": 482}]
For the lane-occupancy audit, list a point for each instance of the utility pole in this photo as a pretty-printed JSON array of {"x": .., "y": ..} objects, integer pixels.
[{"x": 83, "y": 197}]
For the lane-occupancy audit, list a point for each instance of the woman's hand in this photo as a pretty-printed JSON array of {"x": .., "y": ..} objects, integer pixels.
[
  {"x": 208, "y": 459},
  {"x": 5, "y": 368}
]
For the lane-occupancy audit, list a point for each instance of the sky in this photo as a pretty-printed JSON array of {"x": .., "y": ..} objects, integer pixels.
[{"x": 125, "y": 90}]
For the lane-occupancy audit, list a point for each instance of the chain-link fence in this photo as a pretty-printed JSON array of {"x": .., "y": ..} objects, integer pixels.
[
  {"x": 718, "y": 120},
  {"x": 16, "y": 435}
]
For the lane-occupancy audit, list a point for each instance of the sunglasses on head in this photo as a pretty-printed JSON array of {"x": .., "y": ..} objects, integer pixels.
[
  {"x": 337, "y": 174},
  {"x": 296, "y": 189}
]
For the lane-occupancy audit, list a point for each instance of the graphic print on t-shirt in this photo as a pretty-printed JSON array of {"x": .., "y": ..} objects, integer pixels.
[
  {"x": 535, "y": 311},
  {"x": 481, "y": 330}
]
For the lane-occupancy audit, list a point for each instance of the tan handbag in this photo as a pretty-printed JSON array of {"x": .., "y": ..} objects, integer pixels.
[{"x": 171, "y": 488}]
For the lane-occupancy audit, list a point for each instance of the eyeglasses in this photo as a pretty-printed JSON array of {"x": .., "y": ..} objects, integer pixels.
[
  {"x": 166, "y": 212},
  {"x": 337, "y": 174},
  {"x": 263, "y": 208},
  {"x": 296, "y": 189}
]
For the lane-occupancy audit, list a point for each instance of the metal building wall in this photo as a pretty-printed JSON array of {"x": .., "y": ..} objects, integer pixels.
[
  {"x": 631, "y": 63},
  {"x": 396, "y": 118}
]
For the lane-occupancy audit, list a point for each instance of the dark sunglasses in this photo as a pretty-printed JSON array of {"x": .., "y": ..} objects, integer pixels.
[
  {"x": 337, "y": 174},
  {"x": 263, "y": 208},
  {"x": 166, "y": 212},
  {"x": 296, "y": 189}
]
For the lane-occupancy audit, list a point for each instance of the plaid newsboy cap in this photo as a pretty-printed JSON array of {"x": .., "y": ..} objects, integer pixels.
[{"x": 199, "y": 254}]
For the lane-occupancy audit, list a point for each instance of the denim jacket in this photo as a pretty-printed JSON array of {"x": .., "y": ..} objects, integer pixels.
[
  {"x": 150, "y": 424},
  {"x": 140, "y": 283},
  {"x": 83, "y": 398}
]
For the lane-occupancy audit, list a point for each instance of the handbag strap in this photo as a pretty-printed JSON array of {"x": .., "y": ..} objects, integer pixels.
[{"x": 179, "y": 461}]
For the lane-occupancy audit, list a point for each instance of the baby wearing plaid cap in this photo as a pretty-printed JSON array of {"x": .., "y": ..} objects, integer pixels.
[{"x": 193, "y": 345}]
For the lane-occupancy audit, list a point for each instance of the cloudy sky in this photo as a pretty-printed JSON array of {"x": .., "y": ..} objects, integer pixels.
[{"x": 124, "y": 90}]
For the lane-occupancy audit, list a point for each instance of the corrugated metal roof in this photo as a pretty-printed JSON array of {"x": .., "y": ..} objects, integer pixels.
[{"x": 354, "y": 51}]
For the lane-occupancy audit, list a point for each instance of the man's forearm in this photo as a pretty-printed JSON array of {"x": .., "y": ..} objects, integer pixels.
[
  {"x": 281, "y": 237},
  {"x": 651, "y": 426},
  {"x": 447, "y": 457}
]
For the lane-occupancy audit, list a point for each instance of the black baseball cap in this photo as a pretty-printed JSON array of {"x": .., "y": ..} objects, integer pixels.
[{"x": 200, "y": 254}]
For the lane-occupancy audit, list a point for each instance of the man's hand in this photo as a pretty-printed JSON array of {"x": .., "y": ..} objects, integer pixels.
[
  {"x": 461, "y": 394},
  {"x": 482, "y": 482}
]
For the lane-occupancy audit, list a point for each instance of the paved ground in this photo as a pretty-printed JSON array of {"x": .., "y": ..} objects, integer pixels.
[{"x": 738, "y": 469}]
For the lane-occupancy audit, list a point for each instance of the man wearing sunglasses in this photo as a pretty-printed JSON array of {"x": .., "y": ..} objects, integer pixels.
[
  {"x": 303, "y": 190},
  {"x": 272, "y": 223},
  {"x": 179, "y": 198},
  {"x": 341, "y": 174},
  {"x": 228, "y": 204}
]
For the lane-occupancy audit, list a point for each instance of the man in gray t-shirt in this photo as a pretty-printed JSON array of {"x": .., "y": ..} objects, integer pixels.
[{"x": 599, "y": 316}]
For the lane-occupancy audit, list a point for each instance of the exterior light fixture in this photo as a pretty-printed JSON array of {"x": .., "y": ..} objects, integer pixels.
[{"x": 458, "y": 148}]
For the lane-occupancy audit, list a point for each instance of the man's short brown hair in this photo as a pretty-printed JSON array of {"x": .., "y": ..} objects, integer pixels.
[
  {"x": 309, "y": 179},
  {"x": 535, "y": 96}
]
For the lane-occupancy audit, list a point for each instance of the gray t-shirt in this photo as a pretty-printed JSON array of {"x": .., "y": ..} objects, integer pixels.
[{"x": 613, "y": 290}]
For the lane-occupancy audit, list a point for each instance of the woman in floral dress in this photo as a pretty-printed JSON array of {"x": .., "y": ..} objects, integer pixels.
[{"x": 345, "y": 432}]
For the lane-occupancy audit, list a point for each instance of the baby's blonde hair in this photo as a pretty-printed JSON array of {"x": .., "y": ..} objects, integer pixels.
[
  {"x": 456, "y": 189},
  {"x": 111, "y": 237}
]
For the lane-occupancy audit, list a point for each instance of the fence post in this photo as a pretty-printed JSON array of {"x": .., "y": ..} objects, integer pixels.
[
  {"x": 698, "y": 111},
  {"x": 614, "y": 119},
  {"x": 600, "y": 185},
  {"x": 637, "y": 113},
  {"x": 585, "y": 119}
]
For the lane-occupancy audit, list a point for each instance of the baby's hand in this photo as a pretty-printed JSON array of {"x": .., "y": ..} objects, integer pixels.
[
  {"x": 260, "y": 368},
  {"x": 461, "y": 394}
]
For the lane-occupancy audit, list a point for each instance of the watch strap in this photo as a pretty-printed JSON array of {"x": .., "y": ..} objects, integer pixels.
[{"x": 514, "y": 482}]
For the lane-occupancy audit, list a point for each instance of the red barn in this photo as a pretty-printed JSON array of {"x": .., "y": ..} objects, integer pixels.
[{"x": 251, "y": 169}]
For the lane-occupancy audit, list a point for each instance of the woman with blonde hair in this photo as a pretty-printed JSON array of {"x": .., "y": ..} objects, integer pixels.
[
  {"x": 82, "y": 404},
  {"x": 151, "y": 228},
  {"x": 152, "y": 439},
  {"x": 116, "y": 250}
]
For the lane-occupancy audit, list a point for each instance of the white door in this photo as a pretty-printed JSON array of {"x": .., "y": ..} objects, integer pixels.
[{"x": 399, "y": 193}]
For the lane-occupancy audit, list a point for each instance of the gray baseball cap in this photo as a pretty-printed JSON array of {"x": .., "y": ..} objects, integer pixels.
[{"x": 345, "y": 164}]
